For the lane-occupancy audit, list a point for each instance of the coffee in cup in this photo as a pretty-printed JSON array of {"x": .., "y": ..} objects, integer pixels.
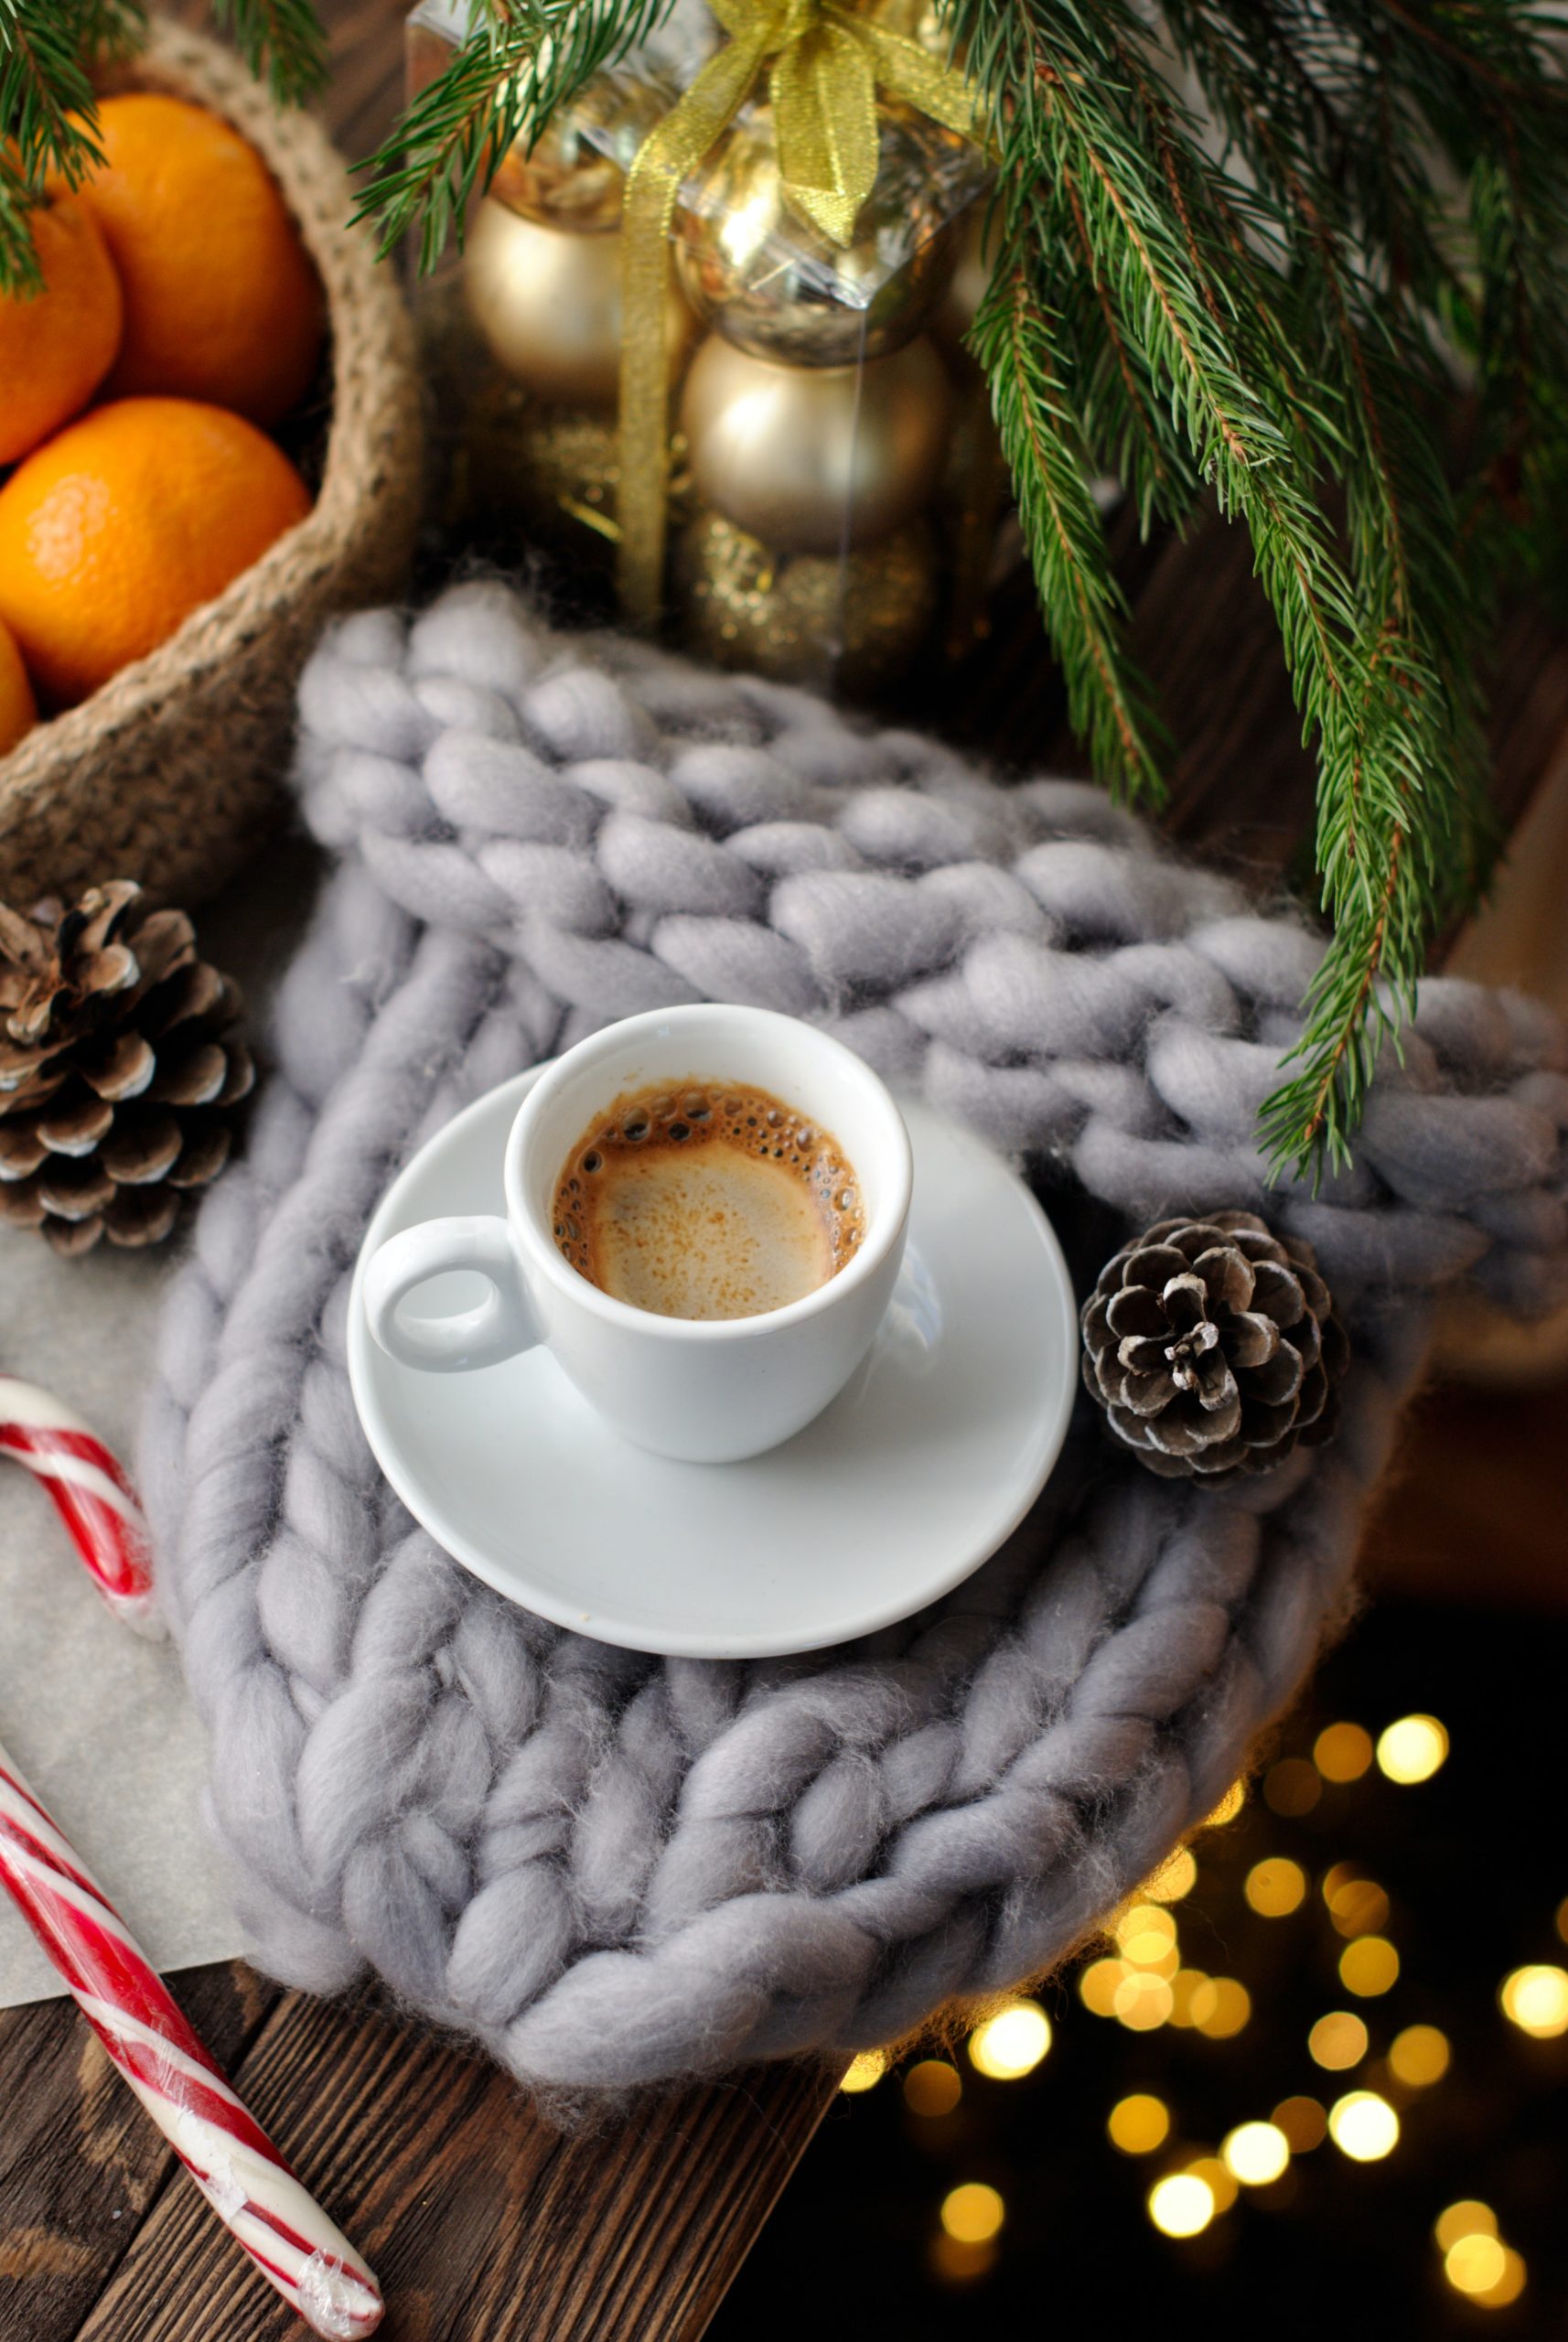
[{"x": 706, "y": 1200}]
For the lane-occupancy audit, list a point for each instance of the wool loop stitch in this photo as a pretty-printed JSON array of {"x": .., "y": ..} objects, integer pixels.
[{"x": 614, "y": 1869}]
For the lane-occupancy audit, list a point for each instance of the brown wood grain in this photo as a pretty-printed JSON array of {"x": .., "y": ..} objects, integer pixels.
[{"x": 482, "y": 2219}]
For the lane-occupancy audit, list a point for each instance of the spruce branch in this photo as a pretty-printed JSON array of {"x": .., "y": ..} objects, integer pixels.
[{"x": 282, "y": 41}]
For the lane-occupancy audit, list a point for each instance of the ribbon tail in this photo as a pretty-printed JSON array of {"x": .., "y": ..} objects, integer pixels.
[
  {"x": 652, "y": 185},
  {"x": 904, "y": 69},
  {"x": 823, "y": 91}
]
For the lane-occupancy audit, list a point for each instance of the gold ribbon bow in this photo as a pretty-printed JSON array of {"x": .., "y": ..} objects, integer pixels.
[{"x": 825, "y": 66}]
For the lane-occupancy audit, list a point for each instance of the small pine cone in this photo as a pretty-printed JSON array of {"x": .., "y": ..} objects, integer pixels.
[
  {"x": 1213, "y": 1347},
  {"x": 118, "y": 1068}
]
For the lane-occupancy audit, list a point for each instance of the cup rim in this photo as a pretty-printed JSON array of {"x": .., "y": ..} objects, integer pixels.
[{"x": 546, "y": 1260}]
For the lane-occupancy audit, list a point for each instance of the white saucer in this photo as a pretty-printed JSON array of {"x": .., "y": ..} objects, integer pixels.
[{"x": 908, "y": 1482}]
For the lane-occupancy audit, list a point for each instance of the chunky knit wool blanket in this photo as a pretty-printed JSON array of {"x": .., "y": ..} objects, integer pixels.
[{"x": 614, "y": 1869}]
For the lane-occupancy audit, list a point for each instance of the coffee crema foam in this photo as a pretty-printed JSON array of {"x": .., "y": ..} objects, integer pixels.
[{"x": 706, "y": 1199}]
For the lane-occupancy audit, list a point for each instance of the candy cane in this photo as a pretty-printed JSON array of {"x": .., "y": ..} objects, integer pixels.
[
  {"x": 125, "y": 2001},
  {"x": 95, "y": 1499}
]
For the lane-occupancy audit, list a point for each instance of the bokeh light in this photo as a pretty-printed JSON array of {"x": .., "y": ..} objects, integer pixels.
[
  {"x": 1508, "y": 2286},
  {"x": 1275, "y": 1887},
  {"x": 1363, "y": 2126},
  {"x": 955, "y": 2263},
  {"x": 1255, "y": 2152},
  {"x": 1370, "y": 1966},
  {"x": 1181, "y": 2204},
  {"x": 1097, "y": 1986},
  {"x": 1011, "y": 2043},
  {"x": 1562, "y": 1921},
  {"x": 1145, "y": 1934},
  {"x": 1468, "y": 2217},
  {"x": 1175, "y": 1876},
  {"x": 933, "y": 2088},
  {"x": 1221, "y": 2006},
  {"x": 1342, "y": 1752},
  {"x": 1412, "y": 1749},
  {"x": 1304, "y": 2123},
  {"x": 1139, "y": 2124},
  {"x": 973, "y": 2212},
  {"x": 1536, "y": 2000},
  {"x": 865, "y": 2070},
  {"x": 1229, "y": 1806},
  {"x": 1337, "y": 2041},
  {"x": 1142, "y": 2000},
  {"x": 1419, "y": 2056},
  {"x": 1357, "y": 1907},
  {"x": 1183, "y": 1987},
  {"x": 1291, "y": 1788},
  {"x": 1219, "y": 2181},
  {"x": 1474, "y": 2264}
]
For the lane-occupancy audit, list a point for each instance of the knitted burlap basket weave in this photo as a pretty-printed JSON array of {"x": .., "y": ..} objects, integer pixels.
[{"x": 170, "y": 772}]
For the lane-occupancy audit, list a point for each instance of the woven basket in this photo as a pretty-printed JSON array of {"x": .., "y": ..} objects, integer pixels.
[{"x": 170, "y": 772}]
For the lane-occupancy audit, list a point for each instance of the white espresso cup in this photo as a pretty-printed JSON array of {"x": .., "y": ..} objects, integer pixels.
[{"x": 707, "y": 1390}]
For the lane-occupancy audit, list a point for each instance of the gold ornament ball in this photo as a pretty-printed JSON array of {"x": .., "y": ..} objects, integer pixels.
[
  {"x": 812, "y": 458},
  {"x": 548, "y": 303},
  {"x": 971, "y": 281},
  {"x": 778, "y": 287},
  {"x": 857, "y": 624},
  {"x": 574, "y": 176}
]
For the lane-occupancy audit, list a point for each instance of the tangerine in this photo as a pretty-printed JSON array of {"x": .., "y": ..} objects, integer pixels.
[
  {"x": 55, "y": 346},
  {"x": 18, "y": 711},
  {"x": 222, "y": 302},
  {"x": 114, "y": 530}
]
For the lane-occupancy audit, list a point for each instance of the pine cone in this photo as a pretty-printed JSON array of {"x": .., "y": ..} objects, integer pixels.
[
  {"x": 1213, "y": 1347},
  {"x": 117, "y": 1069}
]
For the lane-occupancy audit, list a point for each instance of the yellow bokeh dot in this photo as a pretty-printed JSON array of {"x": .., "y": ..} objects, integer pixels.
[
  {"x": 1220, "y": 2182},
  {"x": 1181, "y": 2204},
  {"x": 1255, "y": 2152},
  {"x": 1357, "y": 1907},
  {"x": 1468, "y": 2217},
  {"x": 1508, "y": 2286},
  {"x": 1012, "y": 2043},
  {"x": 1097, "y": 1986},
  {"x": 1563, "y": 1919},
  {"x": 1175, "y": 1876},
  {"x": 1363, "y": 2126},
  {"x": 1369, "y": 1966},
  {"x": 1304, "y": 2123},
  {"x": 1536, "y": 2000},
  {"x": 865, "y": 2070},
  {"x": 1474, "y": 2264},
  {"x": 1229, "y": 1806},
  {"x": 954, "y": 2264},
  {"x": 1145, "y": 1934},
  {"x": 973, "y": 2212},
  {"x": 933, "y": 2087},
  {"x": 1275, "y": 1887},
  {"x": 1220, "y": 2007},
  {"x": 1342, "y": 1752},
  {"x": 1183, "y": 1987},
  {"x": 1337, "y": 2040},
  {"x": 1418, "y": 2055},
  {"x": 1143, "y": 2001},
  {"x": 1412, "y": 1749},
  {"x": 1291, "y": 1788},
  {"x": 1139, "y": 2124}
]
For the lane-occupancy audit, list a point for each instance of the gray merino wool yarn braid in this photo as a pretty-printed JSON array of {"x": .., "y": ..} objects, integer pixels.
[{"x": 615, "y": 1869}]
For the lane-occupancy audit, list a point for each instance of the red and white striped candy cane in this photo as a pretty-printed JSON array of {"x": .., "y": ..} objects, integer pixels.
[
  {"x": 95, "y": 1499},
  {"x": 124, "y": 2000}
]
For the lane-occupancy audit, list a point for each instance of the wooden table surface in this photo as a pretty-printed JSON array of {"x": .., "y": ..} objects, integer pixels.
[{"x": 482, "y": 2221}]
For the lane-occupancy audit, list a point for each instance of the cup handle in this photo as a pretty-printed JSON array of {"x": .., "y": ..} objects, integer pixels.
[{"x": 499, "y": 1327}]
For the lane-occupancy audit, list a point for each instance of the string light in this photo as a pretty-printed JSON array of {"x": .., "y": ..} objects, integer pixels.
[
  {"x": 1412, "y": 1749},
  {"x": 1175, "y": 1876},
  {"x": 1474, "y": 2264},
  {"x": 1536, "y": 2000},
  {"x": 1357, "y": 1907},
  {"x": 865, "y": 2072},
  {"x": 973, "y": 2212},
  {"x": 1181, "y": 2204},
  {"x": 1370, "y": 1966},
  {"x": 1275, "y": 1887},
  {"x": 1139, "y": 2124},
  {"x": 1509, "y": 2283},
  {"x": 1143, "y": 2001},
  {"x": 1097, "y": 1986},
  {"x": 1012, "y": 2043},
  {"x": 1342, "y": 1752},
  {"x": 1217, "y": 2179},
  {"x": 1469, "y": 2217},
  {"x": 1255, "y": 2152},
  {"x": 1418, "y": 2055},
  {"x": 1337, "y": 2041},
  {"x": 1363, "y": 2126},
  {"x": 1304, "y": 2123},
  {"x": 1147, "y": 1937},
  {"x": 933, "y": 2088},
  {"x": 1229, "y": 1806},
  {"x": 1183, "y": 1987},
  {"x": 1221, "y": 2006}
]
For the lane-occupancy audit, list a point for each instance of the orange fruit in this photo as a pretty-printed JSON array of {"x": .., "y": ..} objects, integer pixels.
[
  {"x": 221, "y": 301},
  {"x": 57, "y": 346},
  {"x": 18, "y": 712},
  {"x": 114, "y": 530}
]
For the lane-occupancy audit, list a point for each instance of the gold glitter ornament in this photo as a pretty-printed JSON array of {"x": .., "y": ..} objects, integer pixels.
[
  {"x": 815, "y": 458},
  {"x": 778, "y": 288},
  {"x": 804, "y": 618},
  {"x": 550, "y": 471},
  {"x": 548, "y": 303},
  {"x": 574, "y": 176}
]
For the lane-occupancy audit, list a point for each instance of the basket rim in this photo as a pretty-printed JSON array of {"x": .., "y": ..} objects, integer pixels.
[{"x": 372, "y": 402}]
